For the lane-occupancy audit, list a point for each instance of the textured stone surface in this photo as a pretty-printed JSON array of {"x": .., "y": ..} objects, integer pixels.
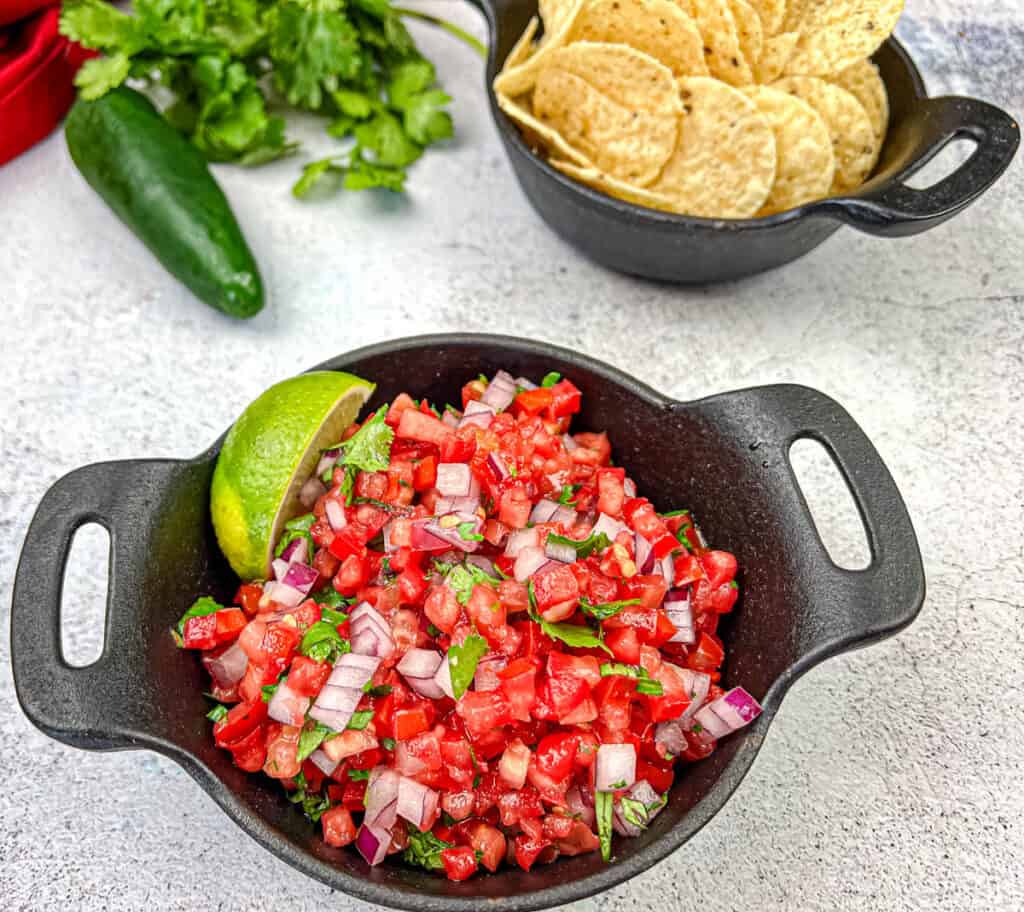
[{"x": 891, "y": 779}]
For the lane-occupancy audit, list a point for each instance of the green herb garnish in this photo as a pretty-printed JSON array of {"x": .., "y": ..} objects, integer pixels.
[
  {"x": 311, "y": 738},
  {"x": 297, "y": 528},
  {"x": 425, "y": 850},
  {"x": 467, "y": 532},
  {"x": 322, "y": 642},
  {"x": 200, "y": 608},
  {"x": 360, "y": 720},
  {"x": 217, "y": 713},
  {"x": 358, "y": 775},
  {"x": 604, "y": 810},
  {"x": 570, "y": 634},
  {"x": 583, "y": 548},
  {"x": 605, "y": 610},
  {"x": 462, "y": 662},
  {"x": 550, "y": 379}
]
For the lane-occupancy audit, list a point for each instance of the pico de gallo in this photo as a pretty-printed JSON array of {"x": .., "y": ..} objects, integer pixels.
[{"x": 481, "y": 644}]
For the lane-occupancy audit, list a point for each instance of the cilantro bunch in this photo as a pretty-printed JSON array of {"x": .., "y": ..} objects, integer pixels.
[{"x": 219, "y": 63}]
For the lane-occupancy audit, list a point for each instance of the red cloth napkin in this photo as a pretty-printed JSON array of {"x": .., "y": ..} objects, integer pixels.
[{"x": 37, "y": 69}]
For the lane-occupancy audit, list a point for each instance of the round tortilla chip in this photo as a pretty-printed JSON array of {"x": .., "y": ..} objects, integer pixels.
[
  {"x": 593, "y": 177},
  {"x": 551, "y": 10},
  {"x": 863, "y": 81},
  {"x": 796, "y": 11},
  {"x": 837, "y": 33},
  {"x": 538, "y": 134},
  {"x": 517, "y": 80},
  {"x": 774, "y": 54},
  {"x": 854, "y": 143},
  {"x": 723, "y": 164},
  {"x": 805, "y": 164},
  {"x": 523, "y": 48},
  {"x": 772, "y": 13},
  {"x": 748, "y": 30},
  {"x": 656, "y": 27},
  {"x": 611, "y": 115},
  {"x": 717, "y": 27}
]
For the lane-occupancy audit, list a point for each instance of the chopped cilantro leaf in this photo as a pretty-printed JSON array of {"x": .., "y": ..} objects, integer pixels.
[
  {"x": 584, "y": 548},
  {"x": 311, "y": 738},
  {"x": 605, "y": 610},
  {"x": 462, "y": 662},
  {"x": 328, "y": 598},
  {"x": 297, "y": 528},
  {"x": 425, "y": 850},
  {"x": 387, "y": 743},
  {"x": 369, "y": 448},
  {"x": 550, "y": 379},
  {"x": 379, "y": 690},
  {"x": 217, "y": 713},
  {"x": 200, "y": 608},
  {"x": 358, "y": 775},
  {"x": 570, "y": 634},
  {"x": 322, "y": 642},
  {"x": 568, "y": 493},
  {"x": 604, "y": 809},
  {"x": 360, "y": 720},
  {"x": 461, "y": 578},
  {"x": 467, "y": 532}
]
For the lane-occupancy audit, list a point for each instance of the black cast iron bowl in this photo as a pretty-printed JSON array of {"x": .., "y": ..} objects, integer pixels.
[
  {"x": 676, "y": 248},
  {"x": 726, "y": 457}
]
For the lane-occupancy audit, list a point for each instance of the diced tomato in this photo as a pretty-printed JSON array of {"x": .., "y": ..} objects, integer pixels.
[
  {"x": 239, "y": 721},
  {"x": 483, "y": 712},
  {"x": 488, "y": 841},
  {"x": 555, "y": 586},
  {"x": 565, "y": 400},
  {"x": 409, "y": 721},
  {"x": 613, "y": 696},
  {"x": 459, "y": 863},
  {"x": 458, "y": 804},
  {"x": 248, "y": 596},
  {"x": 419, "y": 754},
  {"x": 458, "y": 448},
  {"x": 518, "y": 684},
  {"x": 533, "y": 402},
  {"x": 688, "y": 569},
  {"x": 587, "y": 668},
  {"x": 597, "y": 444},
  {"x": 515, "y": 806},
  {"x": 249, "y": 751},
  {"x": 256, "y": 677},
  {"x": 563, "y": 694},
  {"x": 210, "y": 630},
  {"x": 402, "y": 402},
  {"x": 411, "y": 585},
  {"x": 719, "y": 567},
  {"x": 514, "y": 596},
  {"x": 485, "y": 608},
  {"x": 707, "y": 655},
  {"x": 514, "y": 507},
  {"x": 415, "y": 425},
  {"x": 339, "y": 828},
  {"x": 556, "y": 753},
  {"x": 611, "y": 493},
  {"x": 674, "y": 699},
  {"x": 425, "y": 475},
  {"x": 353, "y": 572},
  {"x": 442, "y": 609},
  {"x": 722, "y": 599},
  {"x": 307, "y": 614},
  {"x": 283, "y": 752},
  {"x": 659, "y": 777},
  {"x": 624, "y": 644},
  {"x": 473, "y": 391},
  {"x": 557, "y": 826},
  {"x": 349, "y": 743},
  {"x": 353, "y": 795},
  {"x": 527, "y": 848},
  {"x": 649, "y": 589}
]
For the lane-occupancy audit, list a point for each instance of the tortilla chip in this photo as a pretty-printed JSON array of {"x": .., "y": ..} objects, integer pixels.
[
  {"x": 774, "y": 54},
  {"x": 523, "y": 48},
  {"x": 796, "y": 12},
  {"x": 771, "y": 13},
  {"x": 538, "y": 134},
  {"x": 723, "y": 164},
  {"x": 854, "y": 143},
  {"x": 656, "y": 27},
  {"x": 805, "y": 165},
  {"x": 748, "y": 30},
  {"x": 863, "y": 81},
  {"x": 618, "y": 106},
  {"x": 838, "y": 33},
  {"x": 518, "y": 80},
  {"x": 597, "y": 179},
  {"x": 717, "y": 26}
]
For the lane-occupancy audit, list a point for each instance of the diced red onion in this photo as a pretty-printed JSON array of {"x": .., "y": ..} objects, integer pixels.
[
  {"x": 580, "y": 801},
  {"x": 288, "y": 707},
  {"x": 735, "y": 708},
  {"x": 454, "y": 479},
  {"x": 607, "y": 525},
  {"x": 525, "y": 383},
  {"x": 519, "y": 539},
  {"x": 457, "y": 505},
  {"x": 497, "y": 465},
  {"x": 477, "y": 414},
  {"x": 679, "y": 612},
  {"x": 322, "y": 762},
  {"x": 564, "y": 515},
  {"x": 229, "y": 667},
  {"x": 569, "y": 442},
  {"x": 280, "y": 567},
  {"x": 616, "y": 763},
  {"x": 381, "y": 799},
  {"x": 697, "y": 684},
  {"x": 667, "y": 568},
  {"x": 712, "y": 726},
  {"x": 335, "y": 705},
  {"x": 484, "y": 563},
  {"x": 335, "y": 514},
  {"x": 301, "y": 577},
  {"x": 451, "y": 534},
  {"x": 288, "y": 596},
  {"x": 369, "y": 664},
  {"x": 485, "y": 678},
  {"x": 543, "y": 511},
  {"x": 670, "y": 738},
  {"x": 373, "y": 844},
  {"x": 420, "y": 663},
  {"x": 416, "y": 803},
  {"x": 371, "y": 634},
  {"x": 644, "y": 555},
  {"x": 451, "y": 418},
  {"x": 558, "y": 551},
  {"x": 311, "y": 492},
  {"x": 443, "y": 679},
  {"x": 643, "y": 792},
  {"x": 500, "y": 391},
  {"x": 528, "y": 562},
  {"x": 422, "y": 539},
  {"x": 327, "y": 461},
  {"x": 629, "y": 487},
  {"x": 296, "y": 551}
]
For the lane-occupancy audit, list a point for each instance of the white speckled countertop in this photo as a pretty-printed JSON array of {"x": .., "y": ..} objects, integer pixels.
[{"x": 891, "y": 778}]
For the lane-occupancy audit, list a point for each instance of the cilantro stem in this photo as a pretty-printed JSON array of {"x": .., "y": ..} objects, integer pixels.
[{"x": 449, "y": 27}]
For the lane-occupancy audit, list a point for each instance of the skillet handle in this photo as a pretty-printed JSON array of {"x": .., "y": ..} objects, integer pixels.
[
  {"x": 89, "y": 707},
  {"x": 858, "y": 606},
  {"x": 896, "y": 210}
]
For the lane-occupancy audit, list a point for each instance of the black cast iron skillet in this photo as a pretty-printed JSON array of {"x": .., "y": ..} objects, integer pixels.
[
  {"x": 676, "y": 248},
  {"x": 726, "y": 457}
]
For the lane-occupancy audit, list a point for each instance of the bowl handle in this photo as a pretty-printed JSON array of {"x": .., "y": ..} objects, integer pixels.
[
  {"x": 852, "y": 607},
  {"x": 896, "y": 210},
  {"x": 83, "y": 706}
]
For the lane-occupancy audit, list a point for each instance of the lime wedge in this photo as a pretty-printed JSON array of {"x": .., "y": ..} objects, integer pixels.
[{"x": 268, "y": 455}]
